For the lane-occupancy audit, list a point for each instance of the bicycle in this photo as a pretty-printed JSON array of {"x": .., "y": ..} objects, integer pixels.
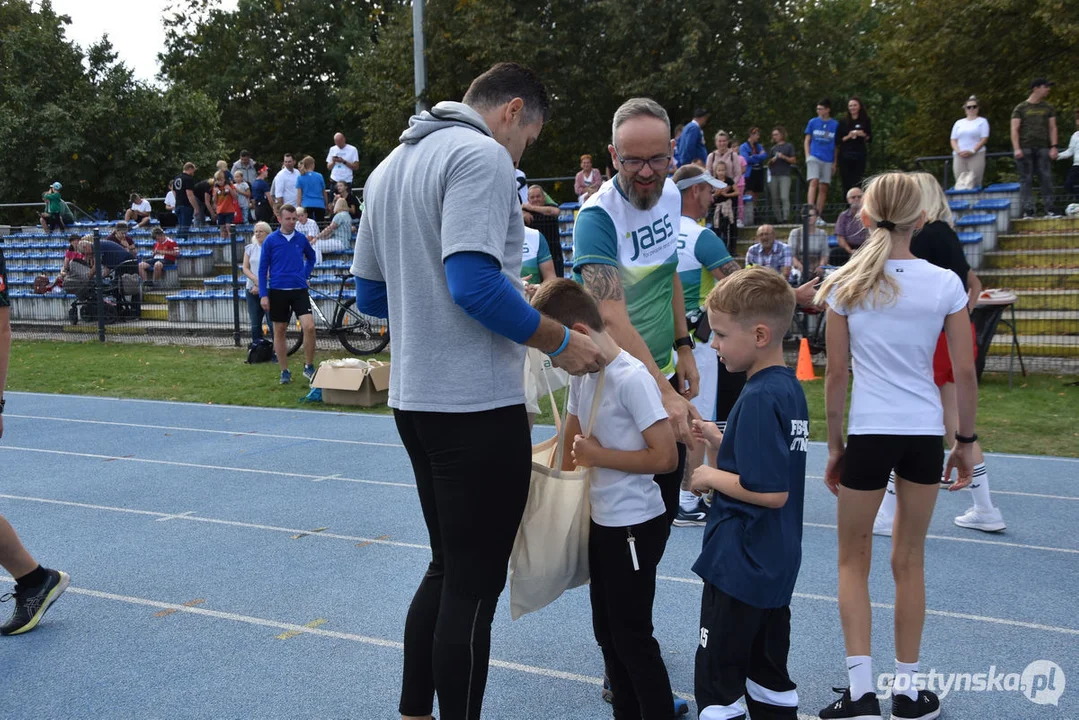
[{"x": 360, "y": 334}]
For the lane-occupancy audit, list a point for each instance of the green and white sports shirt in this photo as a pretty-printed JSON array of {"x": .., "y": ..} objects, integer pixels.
[
  {"x": 535, "y": 253},
  {"x": 700, "y": 251},
  {"x": 642, "y": 244}
]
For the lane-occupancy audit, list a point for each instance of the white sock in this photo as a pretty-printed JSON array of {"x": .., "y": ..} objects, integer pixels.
[
  {"x": 979, "y": 488},
  {"x": 860, "y": 673},
  {"x": 904, "y": 679},
  {"x": 887, "y": 505},
  {"x": 687, "y": 500}
]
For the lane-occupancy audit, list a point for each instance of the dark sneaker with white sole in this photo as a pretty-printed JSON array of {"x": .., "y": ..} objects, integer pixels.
[
  {"x": 926, "y": 707},
  {"x": 698, "y": 516},
  {"x": 867, "y": 707},
  {"x": 32, "y": 603}
]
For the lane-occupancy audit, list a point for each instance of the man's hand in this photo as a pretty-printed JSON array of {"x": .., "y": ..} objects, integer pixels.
[
  {"x": 1018, "y": 154},
  {"x": 265, "y": 303},
  {"x": 681, "y": 414},
  {"x": 686, "y": 374},
  {"x": 585, "y": 451},
  {"x": 804, "y": 294},
  {"x": 580, "y": 357},
  {"x": 1053, "y": 153}
]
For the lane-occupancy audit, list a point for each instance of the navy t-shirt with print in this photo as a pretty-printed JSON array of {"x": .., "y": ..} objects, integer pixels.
[{"x": 750, "y": 552}]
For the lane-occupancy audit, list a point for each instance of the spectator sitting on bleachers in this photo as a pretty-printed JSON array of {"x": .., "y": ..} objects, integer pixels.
[
  {"x": 73, "y": 255},
  {"x": 52, "y": 218},
  {"x": 337, "y": 236},
  {"x": 769, "y": 252},
  {"x": 309, "y": 228},
  {"x": 166, "y": 253},
  {"x": 112, "y": 255},
  {"x": 120, "y": 237},
  {"x": 167, "y": 219},
  {"x": 139, "y": 212},
  {"x": 538, "y": 205},
  {"x": 344, "y": 191}
]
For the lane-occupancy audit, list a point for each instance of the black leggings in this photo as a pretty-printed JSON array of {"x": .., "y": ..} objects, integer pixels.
[{"x": 472, "y": 473}]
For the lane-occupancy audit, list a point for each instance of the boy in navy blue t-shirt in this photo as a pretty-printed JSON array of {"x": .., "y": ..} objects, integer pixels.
[{"x": 753, "y": 539}]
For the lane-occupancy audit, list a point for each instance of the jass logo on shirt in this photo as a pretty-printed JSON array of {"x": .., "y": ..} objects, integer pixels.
[{"x": 648, "y": 236}]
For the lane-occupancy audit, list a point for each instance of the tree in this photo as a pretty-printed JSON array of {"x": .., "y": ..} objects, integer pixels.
[
  {"x": 94, "y": 129},
  {"x": 273, "y": 69}
]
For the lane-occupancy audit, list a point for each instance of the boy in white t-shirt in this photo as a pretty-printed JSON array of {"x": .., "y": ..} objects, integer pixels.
[{"x": 630, "y": 444}]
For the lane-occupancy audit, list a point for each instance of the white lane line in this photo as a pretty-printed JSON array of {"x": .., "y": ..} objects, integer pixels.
[
  {"x": 181, "y": 428},
  {"x": 1033, "y": 495},
  {"x": 174, "y": 463},
  {"x": 976, "y": 541},
  {"x": 176, "y": 516},
  {"x": 320, "y": 632},
  {"x": 888, "y": 606},
  {"x": 253, "y": 408},
  {"x": 191, "y": 517},
  {"x": 417, "y": 546}
]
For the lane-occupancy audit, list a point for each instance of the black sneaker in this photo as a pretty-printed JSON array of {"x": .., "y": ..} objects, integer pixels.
[
  {"x": 31, "y": 603},
  {"x": 698, "y": 516},
  {"x": 866, "y": 707},
  {"x": 926, "y": 707}
]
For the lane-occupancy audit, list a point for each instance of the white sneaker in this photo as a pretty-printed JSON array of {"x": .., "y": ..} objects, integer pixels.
[
  {"x": 882, "y": 525},
  {"x": 820, "y": 222},
  {"x": 974, "y": 519}
]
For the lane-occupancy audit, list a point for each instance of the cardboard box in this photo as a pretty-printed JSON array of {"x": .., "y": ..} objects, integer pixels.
[{"x": 353, "y": 382}]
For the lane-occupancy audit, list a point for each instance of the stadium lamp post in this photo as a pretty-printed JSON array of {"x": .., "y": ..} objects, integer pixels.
[{"x": 418, "y": 55}]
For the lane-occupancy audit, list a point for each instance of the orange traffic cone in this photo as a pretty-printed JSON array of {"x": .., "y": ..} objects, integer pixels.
[{"x": 804, "y": 371}]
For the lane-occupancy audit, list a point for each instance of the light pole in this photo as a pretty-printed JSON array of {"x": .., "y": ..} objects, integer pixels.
[{"x": 418, "y": 57}]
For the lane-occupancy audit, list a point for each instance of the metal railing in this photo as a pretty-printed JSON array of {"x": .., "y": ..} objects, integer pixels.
[{"x": 946, "y": 162}]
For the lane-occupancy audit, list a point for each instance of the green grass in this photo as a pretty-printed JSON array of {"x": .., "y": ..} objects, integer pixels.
[{"x": 1039, "y": 416}]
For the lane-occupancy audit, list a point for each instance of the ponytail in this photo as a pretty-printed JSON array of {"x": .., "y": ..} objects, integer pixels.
[{"x": 893, "y": 202}]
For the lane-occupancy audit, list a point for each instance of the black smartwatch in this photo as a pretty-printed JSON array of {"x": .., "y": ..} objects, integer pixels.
[
  {"x": 2, "y": 403},
  {"x": 686, "y": 341},
  {"x": 964, "y": 439}
]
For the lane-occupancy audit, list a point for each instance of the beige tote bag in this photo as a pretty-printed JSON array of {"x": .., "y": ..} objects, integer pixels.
[{"x": 550, "y": 553}]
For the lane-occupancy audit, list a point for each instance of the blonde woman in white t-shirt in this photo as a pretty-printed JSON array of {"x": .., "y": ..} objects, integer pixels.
[
  {"x": 886, "y": 308},
  {"x": 969, "y": 137}
]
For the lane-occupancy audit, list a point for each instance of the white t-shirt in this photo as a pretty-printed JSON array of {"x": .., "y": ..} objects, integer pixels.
[
  {"x": 284, "y": 185},
  {"x": 310, "y": 231},
  {"x": 253, "y": 251},
  {"x": 631, "y": 404},
  {"x": 340, "y": 171},
  {"x": 892, "y": 347},
  {"x": 170, "y": 200},
  {"x": 969, "y": 132},
  {"x": 143, "y": 206}
]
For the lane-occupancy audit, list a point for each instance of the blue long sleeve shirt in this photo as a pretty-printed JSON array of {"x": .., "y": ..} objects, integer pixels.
[
  {"x": 752, "y": 158},
  {"x": 691, "y": 145},
  {"x": 285, "y": 263}
]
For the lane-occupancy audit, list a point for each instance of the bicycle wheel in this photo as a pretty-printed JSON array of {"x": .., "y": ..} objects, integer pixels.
[{"x": 360, "y": 334}]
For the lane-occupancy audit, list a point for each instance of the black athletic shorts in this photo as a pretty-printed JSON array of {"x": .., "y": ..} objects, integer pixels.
[
  {"x": 743, "y": 652},
  {"x": 755, "y": 181},
  {"x": 871, "y": 458},
  {"x": 286, "y": 303}
]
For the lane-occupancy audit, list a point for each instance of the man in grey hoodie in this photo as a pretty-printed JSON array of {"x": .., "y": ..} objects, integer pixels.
[{"x": 439, "y": 250}]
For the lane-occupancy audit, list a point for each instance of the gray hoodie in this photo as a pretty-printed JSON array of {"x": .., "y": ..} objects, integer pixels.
[{"x": 448, "y": 188}]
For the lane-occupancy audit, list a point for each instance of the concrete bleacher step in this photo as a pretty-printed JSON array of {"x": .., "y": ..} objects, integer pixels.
[
  {"x": 1044, "y": 322},
  {"x": 1030, "y": 278},
  {"x": 1059, "y": 258},
  {"x": 154, "y": 311},
  {"x": 1048, "y": 299},
  {"x": 1059, "y": 346},
  {"x": 1057, "y": 224},
  {"x": 1038, "y": 241}
]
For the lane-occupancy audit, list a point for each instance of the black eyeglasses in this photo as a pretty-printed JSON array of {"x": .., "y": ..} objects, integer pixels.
[
  {"x": 658, "y": 163},
  {"x": 972, "y": 107}
]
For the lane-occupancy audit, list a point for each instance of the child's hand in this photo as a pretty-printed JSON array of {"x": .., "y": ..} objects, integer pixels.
[
  {"x": 585, "y": 451},
  {"x": 708, "y": 433},
  {"x": 699, "y": 484}
]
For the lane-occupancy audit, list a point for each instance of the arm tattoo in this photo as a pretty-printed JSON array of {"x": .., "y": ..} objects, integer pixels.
[
  {"x": 604, "y": 282},
  {"x": 729, "y": 268}
]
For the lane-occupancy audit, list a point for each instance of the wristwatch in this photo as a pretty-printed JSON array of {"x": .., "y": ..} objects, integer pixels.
[
  {"x": 964, "y": 439},
  {"x": 686, "y": 341},
  {"x": 2, "y": 403}
]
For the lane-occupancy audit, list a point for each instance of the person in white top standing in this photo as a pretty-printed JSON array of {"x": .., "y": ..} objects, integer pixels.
[
  {"x": 1071, "y": 183},
  {"x": 969, "y": 138},
  {"x": 632, "y": 442},
  {"x": 886, "y": 308},
  {"x": 342, "y": 160},
  {"x": 283, "y": 190}
]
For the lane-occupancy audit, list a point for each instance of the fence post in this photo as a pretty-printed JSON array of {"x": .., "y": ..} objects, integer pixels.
[
  {"x": 235, "y": 291},
  {"x": 99, "y": 289}
]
